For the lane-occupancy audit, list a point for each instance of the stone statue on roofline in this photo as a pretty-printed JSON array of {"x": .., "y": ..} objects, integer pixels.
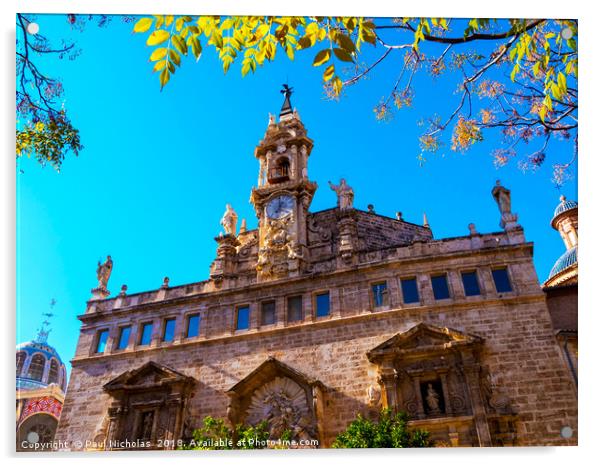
[
  {"x": 229, "y": 220},
  {"x": 501, "y": 195},
  {"x": 103, "y": 273},
  {"x": 345, "y": 194}
]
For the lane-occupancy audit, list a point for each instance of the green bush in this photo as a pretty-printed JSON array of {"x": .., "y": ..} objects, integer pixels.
[
  {"x": 390, "y": 431},
  {"x": 216, "y": 435}
]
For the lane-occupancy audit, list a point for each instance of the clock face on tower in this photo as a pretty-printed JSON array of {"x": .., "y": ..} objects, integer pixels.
[{"x": 280, "y": 207}]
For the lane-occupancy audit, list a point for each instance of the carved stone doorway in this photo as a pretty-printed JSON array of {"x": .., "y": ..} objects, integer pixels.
[{"x": 147, "y": 411}]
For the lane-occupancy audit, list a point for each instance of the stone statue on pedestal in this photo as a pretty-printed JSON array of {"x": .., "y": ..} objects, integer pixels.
[
  {"x": 345, "y": 194},
  {"x": 229, "y": 221},
  {"x": 502, "y": 199},
  {"x": 432, "y": 400},
  {"x": 103, "y": 272}
]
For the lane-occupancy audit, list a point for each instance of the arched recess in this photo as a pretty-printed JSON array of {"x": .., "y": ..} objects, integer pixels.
[
  {"x": 283, "y": 397},
  {"x": 21, "y": 357},
  {"x": 36, "y": 433},
  {"x": 53, "y": 372},
  {"x": 36, "y": 367}
]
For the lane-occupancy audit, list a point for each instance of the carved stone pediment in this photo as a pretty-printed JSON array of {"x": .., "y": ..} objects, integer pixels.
[
  {"x": 150, "y": 375},
  {"x": 421, "y": 340},
  {"x": 285, "y": 398}
]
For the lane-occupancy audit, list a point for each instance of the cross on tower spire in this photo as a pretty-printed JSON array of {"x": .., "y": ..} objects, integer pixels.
[{"x": 286, "y": 105}]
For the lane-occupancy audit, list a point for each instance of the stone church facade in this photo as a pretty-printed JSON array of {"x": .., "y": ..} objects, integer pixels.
[{"x": 315, "y": 317}]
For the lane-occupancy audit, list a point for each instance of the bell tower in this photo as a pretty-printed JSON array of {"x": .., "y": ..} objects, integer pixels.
[{"x": 283, "y": 194}]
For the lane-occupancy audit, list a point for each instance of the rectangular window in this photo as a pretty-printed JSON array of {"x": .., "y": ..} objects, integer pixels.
[
  {"x": 471, "y": 284},
  {"x": 409, "y": 289},
  {"x": 501, "y": 280},
  {"x": 268, "y": 313},
  {"x": 294, "y": 309},
  {"x": 242, "y": 318},
  {"x": 169, "y": 329},
  {"x": 124, "y": 337},
  {"x": 146, "y": 334},
  {"x": 323, "y": 304},
  {"x": 192, "y": 328},
  {"x": 379, "y": 294},
  {"x": 440, "y": 288},
  {"x": 101, "y": 340}
]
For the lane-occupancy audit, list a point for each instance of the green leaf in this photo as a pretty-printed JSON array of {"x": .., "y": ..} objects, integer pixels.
[
  {"x": 328, "y": 73},
  {"x": 196, "y": 47},
  {"x": 157, "y": 37},
  {"x": 179, "y": 43},
  {"x": 160, "y": 65},
  {"x": 143, "y": 25},
  {"x": 345, "y": 42},
  {"x": 304, "y": 43},
  {"x": 174, "y": 57},
  {"x": 562, "y": 83},
  {"x": 322, "y": 57},
  {"x": 514, "y": 71},
  {"x": 164, "y": 77},
  {"x": 337, "y": 85},
  {"x": 158, "y": 54},
  {"x": 343, "y": 55}
]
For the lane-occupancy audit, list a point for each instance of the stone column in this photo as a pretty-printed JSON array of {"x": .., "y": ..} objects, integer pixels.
[
  {"x": 418, "y": 394},
  {"x": 471, "y": 373},
  {"x": 388, "y": 380}
]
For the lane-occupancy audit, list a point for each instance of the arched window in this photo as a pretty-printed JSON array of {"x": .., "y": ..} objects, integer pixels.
[
  {"x": 280, "y": 171},
  {"x": 21, "y": 356},
  {"x": 36, "y": 368},
  {"x": 53, "y": 373}
]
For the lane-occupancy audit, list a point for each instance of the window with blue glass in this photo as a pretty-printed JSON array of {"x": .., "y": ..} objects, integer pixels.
[
  {"x": 101, "y": 341},
  {"x": 471, "y": 283},
  {"x": 192, "y": 328},
  {"x": 501, "y": 280},
  {"x": 323, "y": 304},
  {"x": 440, "y": 288},
  {"x": 409, "y": 290},
  {"x": 146, "y": 333},
  {"x": 242, "y": 318},
  {"x": 124, "y": 337},
  {"x": 169, "y": 329},
  {"x": 379, "y": 294}
]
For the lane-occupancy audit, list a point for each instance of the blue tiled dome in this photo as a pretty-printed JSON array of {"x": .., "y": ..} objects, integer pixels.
[
  {"x": 564, "y": 206},
  {"x": 564, "y": 262},
  {"x": 35, "y": 347}
]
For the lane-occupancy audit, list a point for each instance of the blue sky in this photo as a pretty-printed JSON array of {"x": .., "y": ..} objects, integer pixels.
[{"x": 158, "y": 168}]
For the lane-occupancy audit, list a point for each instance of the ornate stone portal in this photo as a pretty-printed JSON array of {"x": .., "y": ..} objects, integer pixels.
[
  {"x": 148, "y": 408},
  {"x": 435, "y": 376},
  {"x": 287, "y": 400}
]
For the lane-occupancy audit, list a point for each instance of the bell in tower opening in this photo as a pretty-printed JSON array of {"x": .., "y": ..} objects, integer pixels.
[{"x": 283, "y": 195}]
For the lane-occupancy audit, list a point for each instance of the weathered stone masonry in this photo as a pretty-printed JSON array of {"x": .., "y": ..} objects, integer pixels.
[{"x": 473, "y": 370}]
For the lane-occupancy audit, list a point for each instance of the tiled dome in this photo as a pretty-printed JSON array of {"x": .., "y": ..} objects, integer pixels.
[
  {"x": 564, "y": 206},
  {"x": 568, "y": 259},
  {"x": 32, "y": 348}
]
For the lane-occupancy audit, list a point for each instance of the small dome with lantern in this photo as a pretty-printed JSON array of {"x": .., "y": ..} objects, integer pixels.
[{"x": 38, "y": 364}]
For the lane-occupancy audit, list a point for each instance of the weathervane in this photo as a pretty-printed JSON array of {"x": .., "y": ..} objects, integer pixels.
[
  {"x": 286, "y": 106},
  {"x": 45, "y": 329}
]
